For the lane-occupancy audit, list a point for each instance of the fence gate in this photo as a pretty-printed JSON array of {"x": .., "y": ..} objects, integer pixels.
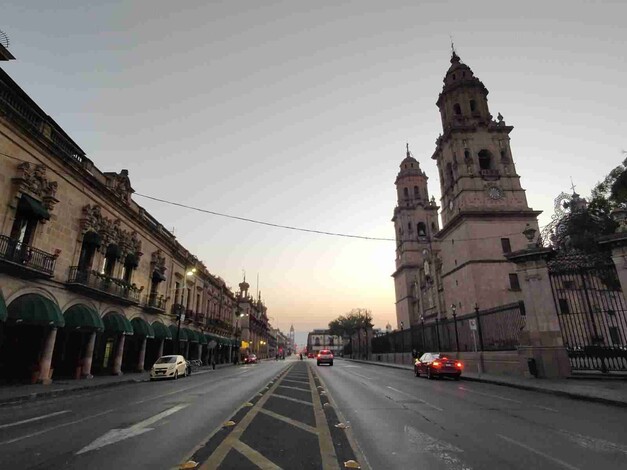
[{"x": 591, "y": 311}]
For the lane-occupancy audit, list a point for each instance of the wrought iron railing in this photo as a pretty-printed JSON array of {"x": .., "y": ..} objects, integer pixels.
[
  {"x": 495, "y": 329},
  {"x": 19, "y": 253},
  {"x": 100, "y": 282},
  {"x": 490, "y": 173},
  {"x": 155, "y": 302}
]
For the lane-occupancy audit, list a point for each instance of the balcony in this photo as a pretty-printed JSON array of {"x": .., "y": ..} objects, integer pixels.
[
  {"x": 25, "y": 259},
  {"x": 154, "y": 303},
  {"x": 490, "y": 174},
  {"x": 103, "y": 286}
]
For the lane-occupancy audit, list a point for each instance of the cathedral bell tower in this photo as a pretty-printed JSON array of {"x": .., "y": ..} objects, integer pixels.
[
  {"x": 415, "y": 222},
  {"x": 484, "y": 206}
]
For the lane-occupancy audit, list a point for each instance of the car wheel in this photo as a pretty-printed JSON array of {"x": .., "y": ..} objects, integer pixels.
[
  {"x": 416, "y": 373},
  {"x": 429, "y": 374},
  {"x": 331, "y": 363},
  {"x": 176, "y": 375}
]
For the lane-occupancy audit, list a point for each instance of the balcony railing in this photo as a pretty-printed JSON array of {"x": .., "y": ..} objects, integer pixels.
[
  {"x": 21, "y": 254},
  {"x": 154, "y": 302},
  {"x": 490, "y": 173},
  {"x": 104, "y": 284}
]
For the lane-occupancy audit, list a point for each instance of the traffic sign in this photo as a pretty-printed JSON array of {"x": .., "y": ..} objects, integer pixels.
[{"x": 473, "y": 324}]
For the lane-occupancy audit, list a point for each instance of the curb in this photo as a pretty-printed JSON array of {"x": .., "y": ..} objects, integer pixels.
[
  {"x": 533, "y": 388},
  {"x": 52, "y": 393}
]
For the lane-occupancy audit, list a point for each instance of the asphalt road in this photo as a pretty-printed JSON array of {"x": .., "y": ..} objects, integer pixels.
[
  {"x": 400, "y": 421},
  {"x": 145, "y": 425}
]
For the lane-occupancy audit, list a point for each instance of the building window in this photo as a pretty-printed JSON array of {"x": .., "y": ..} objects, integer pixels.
[
  {"x": 505, "y": 245},
  {"x": 416, "y": 192},
  {"x": 130, "y": 264},
  {"x": 458, "y": 109},
  {"x": 406, "y": 193},
  {"x": 473, "y": 106},
  {"x": 564, "y": 308},
  {"x": 409, "y": 226},
  {"x": 177, "y": 293},
  {"x": 614, "y": 335},
  {"x": 422, "y": 229},
  {"x": 111, "y": 258},
  {"x": 29, "y": 213},
  {"x": 449, "y": 174},
  {"x": 485, "y": 160},
  {"x": 91, "y": 242},
  {"x": 513, "y": 282}
]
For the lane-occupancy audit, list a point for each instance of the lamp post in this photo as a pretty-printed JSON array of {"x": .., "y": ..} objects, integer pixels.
[
  {"x": 402, "y": 344},
  {"x": 454, "y": 309},
  {"x": 180, "y": 314}
]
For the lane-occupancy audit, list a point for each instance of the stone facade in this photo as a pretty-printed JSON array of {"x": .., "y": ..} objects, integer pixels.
[
  {"x": 73, "y": 236},
  {"x": 484, "y": 212},
  {"x": 320, "y": 339}
]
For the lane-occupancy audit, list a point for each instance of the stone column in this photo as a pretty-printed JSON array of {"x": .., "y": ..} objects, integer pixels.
[
  {"x": 88, "y": 357},
  {"x": 142, "y": 355},
  {"x": 117, "y": 361},
  {"x": 541, "y": 337},
  {"x": 46, "y": 357}
]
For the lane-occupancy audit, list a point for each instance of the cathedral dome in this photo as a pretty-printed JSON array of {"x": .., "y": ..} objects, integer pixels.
[{"x": 460, "y": 75}]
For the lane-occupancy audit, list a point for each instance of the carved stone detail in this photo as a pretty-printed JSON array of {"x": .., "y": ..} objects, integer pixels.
[
  {"x": 33, "y": 181},
  {"x": 158, "y": 262},
  {"x": 120, "y": 185},
  {"x": 110, "y": 231}
]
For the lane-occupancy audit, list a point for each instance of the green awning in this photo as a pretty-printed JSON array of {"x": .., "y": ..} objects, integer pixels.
[
  {"x": 161, "y": 331},
  {"x": 234, "y": 343},
  {"x": 182, "y": 336},
  {"x": 33, "y": 206},
  {"x": 34, "y": 309},
  {"x": 117, "y": 323},
  {"x": 202, "y": 338},
  {"x": 142, "y": 328},
  {"x": 192, "y": 335},
  {"x": 3, "y": 309},
  {"x": 82, "y": 317},
  {"x": 224, "y": 341}
]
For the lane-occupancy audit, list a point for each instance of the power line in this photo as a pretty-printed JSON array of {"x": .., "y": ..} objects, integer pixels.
[{"x": 289, "y": 227}]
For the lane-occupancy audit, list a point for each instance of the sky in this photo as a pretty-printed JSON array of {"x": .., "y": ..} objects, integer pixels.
[{"x": 297, "y": 113}]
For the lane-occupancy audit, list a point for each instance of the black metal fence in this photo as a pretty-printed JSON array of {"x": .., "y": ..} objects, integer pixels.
[
  {"x": 495, "y": 329},
  {"x": 20, "y": 253},
  {"x": 103, "y": 283}
]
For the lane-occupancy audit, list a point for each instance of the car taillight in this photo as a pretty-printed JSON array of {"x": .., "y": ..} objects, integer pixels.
[
  {"x": 318, "y": 355},
  {"x": 458, "y": 365},
  {"x": 435, "y": 364}
]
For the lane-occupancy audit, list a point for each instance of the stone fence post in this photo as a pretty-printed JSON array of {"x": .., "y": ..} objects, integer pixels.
[{"x": 541, "y": 338}]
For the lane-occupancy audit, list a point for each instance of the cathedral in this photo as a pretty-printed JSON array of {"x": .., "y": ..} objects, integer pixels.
[{"x": 460, "y": 266}]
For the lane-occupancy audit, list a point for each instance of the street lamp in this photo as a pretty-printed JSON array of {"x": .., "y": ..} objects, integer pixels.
[{"x": 180, "y": 314}]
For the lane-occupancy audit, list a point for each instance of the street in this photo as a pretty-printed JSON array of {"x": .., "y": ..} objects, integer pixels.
[{"x": 395, "y": 421}]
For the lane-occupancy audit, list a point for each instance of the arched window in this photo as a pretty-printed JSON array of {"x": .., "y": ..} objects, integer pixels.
[
  {"x": 421, "y": 229},
  {"x": 458, "y": 109},
  {"x": 130, "y": 264},
  {"x": 433, "y": 227},
  {"x": 485, "y": 160},
  {"x": 111, "y": 257},
  {"x": 449, "y": 174},
  {"x": 467, "y": 155},
  {"x": 317, "y": 341},
  {"x": 473, "y": 106},
  {"x": 416, "y": 192},
  {"x": 409, "y": 226},
  {"x": 406, "y": 193}
]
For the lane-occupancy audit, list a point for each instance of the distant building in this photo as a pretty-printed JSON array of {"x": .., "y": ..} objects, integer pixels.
[{"x": 321, "y": 339}]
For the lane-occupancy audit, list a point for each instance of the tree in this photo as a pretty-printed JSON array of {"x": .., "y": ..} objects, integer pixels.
[{"x": 354, "y": 321}]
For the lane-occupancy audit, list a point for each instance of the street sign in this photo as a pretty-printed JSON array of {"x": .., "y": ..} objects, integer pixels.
[{"x": 473, "y": 324}]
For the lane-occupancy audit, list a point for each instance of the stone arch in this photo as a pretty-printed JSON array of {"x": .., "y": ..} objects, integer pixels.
[
  {"x": 32, "y": 290},
  {"x": 457, "y": 109},
  {"x": 421, "y": 229},
  {"x": 485, "y": 159}
]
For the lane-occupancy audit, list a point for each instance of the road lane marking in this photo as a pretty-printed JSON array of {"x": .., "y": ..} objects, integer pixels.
[
  {"x": 546, "y": 408},
  {"x": 442, "y": 450},
  {"x": 593, "y": 443},
  {"x": 116, "y": 435},
  {"x": 292, "y": 399},
  {"x": 359, "y": 375},
  {"x": 490, "y": 395},
  {"x": 30, "y": 420},
  {"x": 255, "y": 457},
  {"x": 538, "y": 452},
  {"x": 289, "y": 421},
  {"x": 43, "y": 431},
  {"x": 327, "y": 449},
  {"x": 416, "y": 398}
]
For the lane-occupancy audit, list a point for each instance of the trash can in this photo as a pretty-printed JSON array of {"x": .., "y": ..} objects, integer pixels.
[{"x": 533, "y": 366}]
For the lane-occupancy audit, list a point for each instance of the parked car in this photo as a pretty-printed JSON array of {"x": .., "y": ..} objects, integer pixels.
[
  {"x": 169, "y": 367},
  {"x": 437, "y": 365},
  {"x": 310, "y": 355},
  {"x": 325, "y": 356},
  {"x": 250, "y": 359}
]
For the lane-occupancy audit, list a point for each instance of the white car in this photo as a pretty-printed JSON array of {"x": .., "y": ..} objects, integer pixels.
[{"x": 169, "y": 367}]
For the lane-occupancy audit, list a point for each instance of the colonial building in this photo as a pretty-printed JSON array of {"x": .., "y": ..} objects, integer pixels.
[
  {"x": 89, "y": 281},
  {"x": 252, "y": 319},
  {"x": 321, "y": 339},
  {"x": 484, "y": 211}
]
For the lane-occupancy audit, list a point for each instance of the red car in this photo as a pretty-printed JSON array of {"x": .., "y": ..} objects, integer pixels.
[
  {"x": 325, "y": 357},
  {"x": 437, "y": 365},
  {"x": 252, "y": 359},
  {"x": 310, "y": 355}
]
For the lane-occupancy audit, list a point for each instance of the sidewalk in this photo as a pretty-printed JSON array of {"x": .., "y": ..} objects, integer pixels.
[
  {"x": 600, "y": 390},
  {"x": 17, "y": 393}
]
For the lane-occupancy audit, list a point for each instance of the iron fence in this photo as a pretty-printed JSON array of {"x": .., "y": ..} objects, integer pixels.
[
  {"x": 19, "y": 253},
  {"x": 102, "y": 283},
  {"x": 495, "y": 329}
]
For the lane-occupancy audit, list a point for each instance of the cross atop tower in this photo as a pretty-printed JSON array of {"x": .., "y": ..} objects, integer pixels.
[{"x": 572, "y": 185}]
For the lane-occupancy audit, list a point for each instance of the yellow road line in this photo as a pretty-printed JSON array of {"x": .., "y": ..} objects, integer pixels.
[
  {"x": 255, "y": 457},
  {"x": 327, "y": 451},
  {"x": 225, "y": 446},
  {"x": 287, "y": 420}
]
